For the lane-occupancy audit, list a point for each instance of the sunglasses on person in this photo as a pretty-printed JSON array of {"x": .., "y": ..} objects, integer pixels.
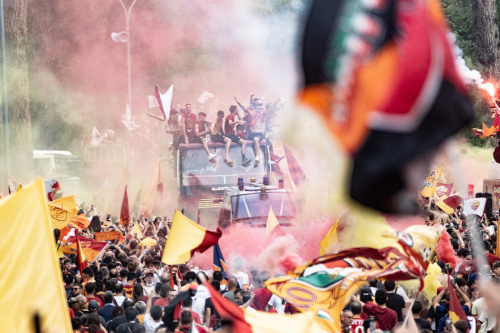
[{"x": 76, "y": 288}]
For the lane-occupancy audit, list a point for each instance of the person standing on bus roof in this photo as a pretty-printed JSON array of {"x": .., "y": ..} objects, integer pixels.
[
  {"x": 188, "y": 121},
  {"x": 200, "y": 132}
]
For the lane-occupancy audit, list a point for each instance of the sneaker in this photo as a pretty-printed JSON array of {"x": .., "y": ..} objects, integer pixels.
[
  {"x": 229, "y": 163},
  {"x": 256, "y": 164},
  {"x": 212, "y": 157},
  {"x": 246, "y": 162}
]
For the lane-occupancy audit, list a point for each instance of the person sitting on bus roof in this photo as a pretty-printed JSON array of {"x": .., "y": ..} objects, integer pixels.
[
  {"x": 240, "y": 131},
  {"x": 201, "y": 130},
  {"x": 217, "y": 135},
  {"x": 231, "y": 121}
]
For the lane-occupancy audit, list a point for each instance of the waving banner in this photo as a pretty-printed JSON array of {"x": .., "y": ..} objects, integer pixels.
[{"x": 325, "y": 285}]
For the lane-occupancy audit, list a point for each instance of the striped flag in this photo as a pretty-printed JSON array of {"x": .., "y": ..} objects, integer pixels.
[
  {"x": 82, "y": 263},
  {"x": 245, "y": 321},
  {"x": 456, "y": 312},
  {"x": 186, "y": 238}
]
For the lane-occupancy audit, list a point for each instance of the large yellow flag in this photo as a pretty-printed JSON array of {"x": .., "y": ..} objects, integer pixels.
[
  {"x": 185, "y": 238},
  {"x": 62, "y": 210},
  {"x": 31, "y": 280},
  {"x": 430, "y": 182},
  {"x": 329, "y": 240}
]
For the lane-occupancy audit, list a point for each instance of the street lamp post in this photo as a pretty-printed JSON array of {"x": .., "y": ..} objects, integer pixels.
[
  {"x": 124, "y": 37},
  {"x": 4, "y": 98}
]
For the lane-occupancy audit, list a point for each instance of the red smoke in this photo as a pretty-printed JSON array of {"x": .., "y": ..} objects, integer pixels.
[
  {"x": 445, "y": 250},
  {"x": 280, "y": 256}
]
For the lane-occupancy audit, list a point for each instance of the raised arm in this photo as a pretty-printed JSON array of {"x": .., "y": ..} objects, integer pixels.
[{"x": 438, "y": 298}]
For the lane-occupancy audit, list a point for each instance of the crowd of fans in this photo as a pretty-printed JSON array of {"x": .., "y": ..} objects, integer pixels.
[
  {"x": 386, "y": 305},
  {"x": 128, "y": 289}
]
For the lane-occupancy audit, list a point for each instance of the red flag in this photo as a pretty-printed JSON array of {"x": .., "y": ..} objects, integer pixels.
[
  {"x": 228, "y": 310},
  {"x": 443, "y": 190},
  {"x": 456, "y": 312},
  {"x": 82, "y": 264},
  {"x": 124, "y": 212},
  {"x": 171, "y": 281}
]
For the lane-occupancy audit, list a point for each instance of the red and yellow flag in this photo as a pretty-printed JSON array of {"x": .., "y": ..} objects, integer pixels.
[
  {"x": 90, "y": 247},
  {"x": 245, "y": 321},
  {"x": 124, "y": 212},
  {"x": 186, "y": 238},
  {"x": 82, "y": 263},
  {"x": 272, "y": 225},
  {"x": 456, "y": 312},
  {"x": 324, "y": 285}
]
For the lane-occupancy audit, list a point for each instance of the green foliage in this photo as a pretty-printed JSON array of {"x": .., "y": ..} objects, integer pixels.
[{"x": 461, "y": 20}]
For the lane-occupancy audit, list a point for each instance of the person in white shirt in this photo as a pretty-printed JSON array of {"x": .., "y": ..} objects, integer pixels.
[
  {"x": 240, "y": 276},
  {"x": 277, "y": 304},
  {"x": 152, "y": 315},
  {"x": 149, "y": 284}
]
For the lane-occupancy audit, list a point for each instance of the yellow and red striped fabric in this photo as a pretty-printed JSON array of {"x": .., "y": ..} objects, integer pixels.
[{"x": 186, "y": 238}]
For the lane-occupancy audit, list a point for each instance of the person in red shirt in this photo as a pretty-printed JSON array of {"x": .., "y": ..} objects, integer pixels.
[
  {"x": 186, "y": 305},
  {"x": 186, "y": 323},
  {"x": 90, "y": 289},
  {"x": 233, "y": 119},
  {"x": 384, "y": 316},
  {"x": 357, "y": 321},
  {"x": 129, "y": 287},
  {"x": 164, "y": 291}
]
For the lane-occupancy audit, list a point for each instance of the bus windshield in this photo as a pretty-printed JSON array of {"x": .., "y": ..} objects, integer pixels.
[
  {"x": 251, "y": 205},
  {"x": 196, "y": 171}
]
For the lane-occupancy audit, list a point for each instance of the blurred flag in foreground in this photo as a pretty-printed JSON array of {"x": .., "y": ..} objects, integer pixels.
[
  {"x": 37, "y": 287},
  {"x": 324, "y": 285},
  {"x": 186, "y": 238},
  {"x": 246, "y": 321},
  {"x": 382, "y": 76}
]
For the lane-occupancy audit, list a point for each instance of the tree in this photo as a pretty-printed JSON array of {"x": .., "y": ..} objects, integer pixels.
[
  {"x": 487, "y": 37},
  {"x": 21, "y": 143}
]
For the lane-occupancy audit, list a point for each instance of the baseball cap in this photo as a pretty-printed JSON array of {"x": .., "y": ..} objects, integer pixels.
[
  {"x": 366, "y": 291},
  {"x": 93, "y": 305},
  {"x": 149, "y": 273}
]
